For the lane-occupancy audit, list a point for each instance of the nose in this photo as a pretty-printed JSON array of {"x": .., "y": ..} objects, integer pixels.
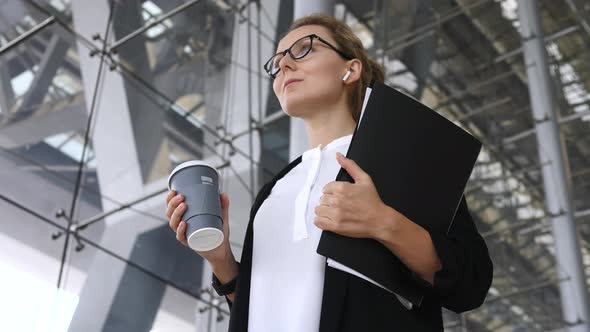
[{"x": 286, "y": 62}]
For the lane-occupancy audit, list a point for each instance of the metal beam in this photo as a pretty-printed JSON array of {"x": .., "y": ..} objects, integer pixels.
[
  {"x": 440, "y": 19},
  {"x": 583, "y": 213},
  {"x": 108, "y": 252},
  {"x": 551, "y": 37},
  {"x": 263, "y": 124},
  {"x": 543, "y": 284},
  {"x": 511, "y": 227},
  {"x": 100, "y": 217},
  {"x": 85, "y": 223},
  {"x": 578, "y": 13},
  {"x": 6, "y": 92},
  {"x": 15, "y": 42},
  {"x": 152, "y": 24},
  {"x": 50, "y": 121},
  {"x": 574, "y": 116},
  {"x": 574, "y": 295},
  {"x": 485, "y": 108},
  {"x": 53, "y": 57},
  {"x": 529, "y": 132},
  {"x": 473, "y": 87}
]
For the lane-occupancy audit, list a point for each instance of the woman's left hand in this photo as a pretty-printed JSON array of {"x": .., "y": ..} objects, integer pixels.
[{"x": 354, "y": 209}]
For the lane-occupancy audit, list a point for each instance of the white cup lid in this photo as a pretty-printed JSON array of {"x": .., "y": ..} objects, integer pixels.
[
  {"x": 205, "y": 239},
  {"x": 189, "y": 163}
]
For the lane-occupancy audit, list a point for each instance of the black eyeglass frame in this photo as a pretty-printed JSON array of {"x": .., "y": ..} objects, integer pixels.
[{"x": 288, "y": 50}]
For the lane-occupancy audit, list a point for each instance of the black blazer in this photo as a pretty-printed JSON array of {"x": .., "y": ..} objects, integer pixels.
[{"x": 353, "y": 304}]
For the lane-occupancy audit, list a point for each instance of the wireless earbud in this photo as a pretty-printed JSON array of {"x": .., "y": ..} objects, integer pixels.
[{"x": 346, "y": 75}]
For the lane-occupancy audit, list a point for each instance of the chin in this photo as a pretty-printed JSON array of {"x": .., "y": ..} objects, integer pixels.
[
  {"x": 298, "y": 106},
  {"x": 293, "y": 107},
  {"x": 293, "y": 112},
  {"x": 299, "y": 110}
]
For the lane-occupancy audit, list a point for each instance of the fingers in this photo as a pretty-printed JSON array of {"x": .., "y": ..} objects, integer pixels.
[
  {"x": 172, "y": 204},
  {"x": 169, "y": 196},
  {"x": 335, "y": 187},
  {"x": 324, "y": 223},
  {"x": 180, "y": 233},
  {"x": 176, "y": 208},
  {"x": 176, "y": 216},
  {"x": 326, "y": 200},
  {"x": 323, "y": 211}
]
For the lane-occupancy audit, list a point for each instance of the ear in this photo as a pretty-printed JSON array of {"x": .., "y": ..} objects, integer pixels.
[{"x": 356, "y": 67}]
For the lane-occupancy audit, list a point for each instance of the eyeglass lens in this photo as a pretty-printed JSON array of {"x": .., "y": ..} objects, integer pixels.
[{"x": 297, "y": 51}]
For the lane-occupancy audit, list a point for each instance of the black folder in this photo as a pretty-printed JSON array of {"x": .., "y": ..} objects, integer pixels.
[{"x": 420, "y": 163}]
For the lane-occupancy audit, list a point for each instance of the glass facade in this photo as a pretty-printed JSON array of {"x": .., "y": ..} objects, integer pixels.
[{"x": 84, "y": 240}]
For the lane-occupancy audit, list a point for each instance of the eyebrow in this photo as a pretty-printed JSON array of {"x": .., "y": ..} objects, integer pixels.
[{"x": 282, "y": 49}]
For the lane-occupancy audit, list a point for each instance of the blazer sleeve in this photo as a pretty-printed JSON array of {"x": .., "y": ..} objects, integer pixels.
[{"x": 466, "y": 275}]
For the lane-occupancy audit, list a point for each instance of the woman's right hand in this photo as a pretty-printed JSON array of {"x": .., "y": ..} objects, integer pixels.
[
  {"x": 176, "y": 207},
  {"x": 221, "y": 259}
]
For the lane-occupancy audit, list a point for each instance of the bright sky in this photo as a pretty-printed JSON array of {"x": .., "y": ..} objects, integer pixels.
[{"x": 29, "y": 304}]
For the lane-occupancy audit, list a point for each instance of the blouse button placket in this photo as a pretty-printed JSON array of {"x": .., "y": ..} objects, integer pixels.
[{"x": 302, "y": 200}]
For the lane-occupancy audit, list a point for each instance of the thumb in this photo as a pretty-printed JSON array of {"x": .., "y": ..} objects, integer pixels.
[{"x": 352, "y": 168}]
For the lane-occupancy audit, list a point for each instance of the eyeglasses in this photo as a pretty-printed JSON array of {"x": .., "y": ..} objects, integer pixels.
[{"x": 298, "y": 50}]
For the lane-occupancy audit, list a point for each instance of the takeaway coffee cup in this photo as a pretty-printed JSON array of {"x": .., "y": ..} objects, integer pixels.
[{"x": 198, "y": 182}]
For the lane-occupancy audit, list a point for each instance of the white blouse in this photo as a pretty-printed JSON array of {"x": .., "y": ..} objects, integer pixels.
[{"x": 287, "y": 273}]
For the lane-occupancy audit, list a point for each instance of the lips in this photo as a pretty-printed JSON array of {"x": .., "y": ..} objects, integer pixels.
[{"x": 288, "y": 82}]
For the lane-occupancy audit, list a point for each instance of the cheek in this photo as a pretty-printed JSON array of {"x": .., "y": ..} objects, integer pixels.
[
  {"x": 327, "y": 73},
  {"x": 275, "y": 86},
  {"x": 327, "y": 82}
]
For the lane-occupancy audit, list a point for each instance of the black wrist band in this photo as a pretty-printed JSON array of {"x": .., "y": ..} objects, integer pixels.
[{"x": 223, "y": 289}]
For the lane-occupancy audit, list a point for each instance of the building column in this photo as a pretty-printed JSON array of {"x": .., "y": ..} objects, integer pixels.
[
  {"x": 118, "y": 136},
  {"x": 6, "y": 92},
  {"x": 298, "y": 137},
  {"x": 241, "y": 88},
  {"x": 552, "y": 154}
]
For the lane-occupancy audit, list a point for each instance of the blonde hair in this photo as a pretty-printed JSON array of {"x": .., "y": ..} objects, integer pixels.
[{"x": 350, "y": 44}]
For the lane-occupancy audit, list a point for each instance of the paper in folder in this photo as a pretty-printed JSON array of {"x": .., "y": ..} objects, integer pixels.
[{"x": 420, "y": 163}]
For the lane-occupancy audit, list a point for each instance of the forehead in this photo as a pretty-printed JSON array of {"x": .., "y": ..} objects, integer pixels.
[{"x": 303, "y": 31}]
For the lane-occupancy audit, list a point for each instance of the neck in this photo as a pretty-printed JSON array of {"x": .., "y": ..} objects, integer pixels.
[{"x": 327, "y": 125}]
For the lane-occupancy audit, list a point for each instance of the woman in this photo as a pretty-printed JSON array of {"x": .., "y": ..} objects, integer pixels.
[{"x": 282, "y": 284}]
